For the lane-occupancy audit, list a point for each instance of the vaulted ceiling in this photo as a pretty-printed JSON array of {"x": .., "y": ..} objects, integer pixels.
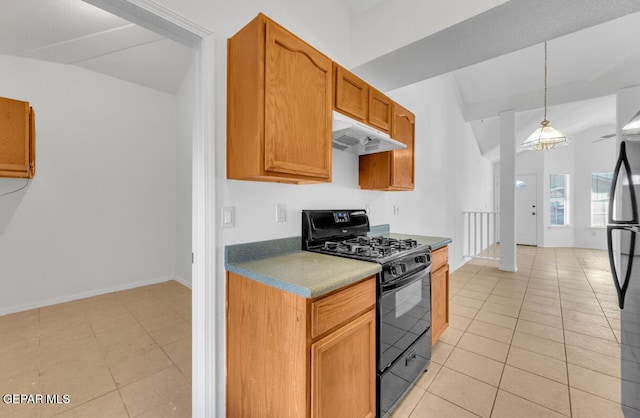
[
  {"x": 585, "y": 70},
  {"x": 496, "y": 57},
  {"x": 77, "y": 33}
]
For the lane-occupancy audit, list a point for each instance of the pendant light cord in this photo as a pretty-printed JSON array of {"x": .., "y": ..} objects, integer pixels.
[{"x": 545, "y": 81}]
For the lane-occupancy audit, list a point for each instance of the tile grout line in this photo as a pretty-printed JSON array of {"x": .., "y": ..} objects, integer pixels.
[
  {"x": 564, "y": 340},
  {"x": 510, "y": 343},
  {"x": 103, "y": 353},
  {"x": 456, "y": 345}
]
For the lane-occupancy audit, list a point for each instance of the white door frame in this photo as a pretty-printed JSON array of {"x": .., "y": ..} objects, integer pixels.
[{"x": 159, "y": 19}]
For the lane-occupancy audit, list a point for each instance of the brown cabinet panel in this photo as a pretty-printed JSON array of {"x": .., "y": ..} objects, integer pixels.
[
  {"x": 439, "y": 292},
  {"x": 439, "y": 258},
  {"x": 275, "y": 368},
  {"x": 17, "y": 139},
  {"x": 266, "y": 350},
  {"x": 279, "y": 102},
  {"x": 338, "y": 308},
  {"x": 402, "y": 161},
  {"x": 379, "y": 110},
  {"x": 392, "y": 170},
  {"x": 343, "y": 371},
  {"x": 297, "y": 106},
  {"x": 351, "y": 94}
]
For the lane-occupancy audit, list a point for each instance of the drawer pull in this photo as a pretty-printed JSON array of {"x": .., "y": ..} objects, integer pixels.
[{"x": 410, "y": 357}]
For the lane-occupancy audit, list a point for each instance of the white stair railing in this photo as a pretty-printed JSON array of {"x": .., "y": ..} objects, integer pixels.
[{"x": 481, "y": 235}]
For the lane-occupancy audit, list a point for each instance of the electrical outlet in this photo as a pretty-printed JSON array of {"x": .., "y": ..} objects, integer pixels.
[
  {"x": 396, "y": 209},
  {"x": 367, "y": 208},
  {"x": 228, "y": 218},
  {"x": 281, "y": 213}
]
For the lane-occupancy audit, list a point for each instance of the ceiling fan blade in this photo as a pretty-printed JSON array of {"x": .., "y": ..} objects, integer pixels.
[{"x": 604, "y": 137}]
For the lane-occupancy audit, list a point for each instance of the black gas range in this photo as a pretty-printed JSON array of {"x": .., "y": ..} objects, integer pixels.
[{"x": 403, "y": 307}]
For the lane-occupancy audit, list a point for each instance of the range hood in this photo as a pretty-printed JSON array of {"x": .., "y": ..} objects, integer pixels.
[{"x": 353, "y": 136}]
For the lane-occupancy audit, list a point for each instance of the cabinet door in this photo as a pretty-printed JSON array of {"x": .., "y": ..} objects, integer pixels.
[
  {"x": 352, "y": 94},
  {"x": 379, "y": 110},
  {"x": 15, "y": 138},
  {"x": 402, "y": 161},
  {"x": 439, "y": 302},
  {"x": 298, "y": 106},
  {"x": 343, "y": 371}
]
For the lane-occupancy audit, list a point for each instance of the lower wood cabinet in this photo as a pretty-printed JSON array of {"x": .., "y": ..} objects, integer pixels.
[
  {"x": 343, "y": 371},
  {"x": 289, "y": 356},
  {"x": 439, "y": 292}
]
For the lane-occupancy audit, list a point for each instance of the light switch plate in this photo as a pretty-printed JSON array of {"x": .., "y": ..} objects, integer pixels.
[
  {"x": 281, "y": 213},
  {"x": 228, "y": 217}
]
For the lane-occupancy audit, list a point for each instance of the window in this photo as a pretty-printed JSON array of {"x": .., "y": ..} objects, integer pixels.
[
  {"x": 600, "y": 187},
  {"x": 559, "y": 200}
]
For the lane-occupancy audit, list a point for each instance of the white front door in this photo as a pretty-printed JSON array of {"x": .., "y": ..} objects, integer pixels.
[{"x": 526, "y": 209}]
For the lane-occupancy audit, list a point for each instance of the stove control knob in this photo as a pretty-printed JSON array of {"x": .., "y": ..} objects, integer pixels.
[
  {"x": 421, "y": 259},
  {"x": 398, "y": 269}
]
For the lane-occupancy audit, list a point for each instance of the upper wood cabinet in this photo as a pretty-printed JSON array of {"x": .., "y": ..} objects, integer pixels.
[
  {"x": 402, "y": 161},
  {"x": 380, "y": 110},
  {"x": 279, "y": 101},
  {"x": 357, "y": 99},
  {"x": 351, "y": 94},
  {"x": 392, "y": 170},
  {"x": 17, "y": 139}
]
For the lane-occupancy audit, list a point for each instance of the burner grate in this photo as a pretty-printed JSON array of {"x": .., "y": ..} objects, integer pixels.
[{"x": 369, "y": 247}]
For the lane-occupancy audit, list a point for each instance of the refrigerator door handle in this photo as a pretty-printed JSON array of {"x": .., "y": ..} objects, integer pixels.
[
  {"x": 621, "y": 289},
  {"x": 623, "y": 160}
]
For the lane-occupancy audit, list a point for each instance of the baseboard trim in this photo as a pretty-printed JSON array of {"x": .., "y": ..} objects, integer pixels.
[
  {"x": 185, "y": 283},
  {"x": 83, "y": 295}
]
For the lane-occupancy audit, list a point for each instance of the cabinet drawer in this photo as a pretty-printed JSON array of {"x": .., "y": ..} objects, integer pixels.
[
  {"x": 340, "y": 307},
  {"x": 439, "y": 258}
]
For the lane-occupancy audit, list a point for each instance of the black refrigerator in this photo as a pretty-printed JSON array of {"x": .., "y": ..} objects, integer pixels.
[{"x": 624, "y": 257}]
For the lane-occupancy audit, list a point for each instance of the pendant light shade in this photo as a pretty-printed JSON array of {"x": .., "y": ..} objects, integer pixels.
[
  {"x": 545, "y": 137},
  {"x": 633, "y": 126}
]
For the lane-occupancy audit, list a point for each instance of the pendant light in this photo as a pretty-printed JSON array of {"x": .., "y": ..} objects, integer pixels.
[{"x": 545, "y": 137}]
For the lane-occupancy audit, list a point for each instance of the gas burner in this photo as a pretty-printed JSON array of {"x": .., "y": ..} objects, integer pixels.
[
  {"x": 366, "y": 247},
  {"x": 365, "y": 240},
  {"x": 385, "y": 249}
]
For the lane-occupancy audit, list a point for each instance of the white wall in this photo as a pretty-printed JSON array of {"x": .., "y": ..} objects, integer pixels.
[
  {"x": 323, "y": 24},
  {"x": 581, "y": 158},
  {"x": 100, "y": 213},
  {"x": 185, "y": 100},
  {"x": 451, "y": 176},
  {"x": 590, "y": 157}
]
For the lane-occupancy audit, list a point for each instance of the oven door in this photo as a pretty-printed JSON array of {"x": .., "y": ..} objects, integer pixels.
[{"x": 404, "y": 314}]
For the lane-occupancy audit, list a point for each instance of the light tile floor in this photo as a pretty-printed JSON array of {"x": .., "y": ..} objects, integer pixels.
[
  {"x": 541, "y": 342},
  {"x": 122, "y": 354}
]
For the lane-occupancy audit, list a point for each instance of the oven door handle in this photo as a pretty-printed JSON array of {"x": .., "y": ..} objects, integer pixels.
[{"x": 403, "y": 281}]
